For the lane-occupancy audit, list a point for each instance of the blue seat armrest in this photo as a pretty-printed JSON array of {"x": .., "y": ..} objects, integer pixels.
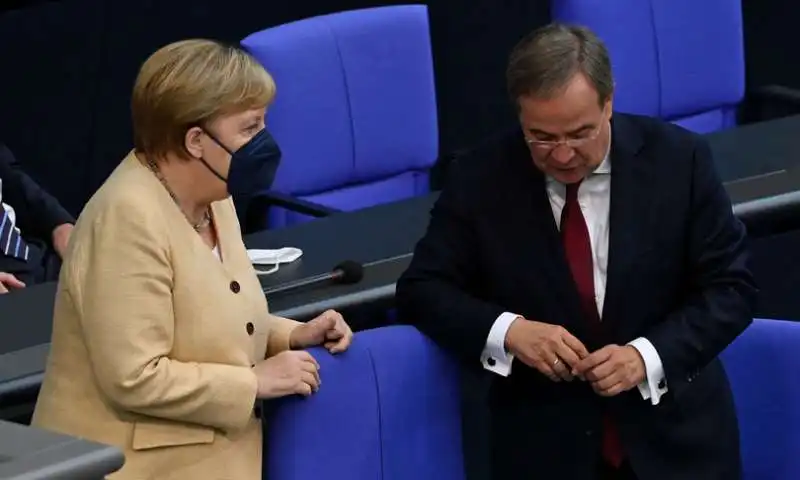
[
  {"x": 771, "y": 101},
  {"x": 259, "y": 204}
]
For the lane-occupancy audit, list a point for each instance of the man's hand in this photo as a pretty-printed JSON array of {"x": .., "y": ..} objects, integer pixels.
[
  {"x": 61, "y": 238},
  {"x": 9, "y": 282},
  {"x": 612, "y": 369},
  {"x": 329, "y": 329},
  {"x": 550, "y": 349}
]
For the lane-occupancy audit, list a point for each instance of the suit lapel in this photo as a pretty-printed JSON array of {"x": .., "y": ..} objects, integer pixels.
[
  {"x": 542, "y": 249},
  {"x": 224, "y": 224},
  {"x": 629, "y": 218}
]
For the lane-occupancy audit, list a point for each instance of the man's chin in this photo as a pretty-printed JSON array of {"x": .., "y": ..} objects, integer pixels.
[{"x": 566, "y": 177}]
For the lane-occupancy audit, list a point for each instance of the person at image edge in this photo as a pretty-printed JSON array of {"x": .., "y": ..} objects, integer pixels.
[{"x": 163, "y": 344}]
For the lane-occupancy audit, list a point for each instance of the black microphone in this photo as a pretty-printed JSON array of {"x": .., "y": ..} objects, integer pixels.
[{"x": 344, "y": 273}]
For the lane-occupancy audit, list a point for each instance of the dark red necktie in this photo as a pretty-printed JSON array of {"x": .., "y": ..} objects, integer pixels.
[{"x": 578, "y": 250}]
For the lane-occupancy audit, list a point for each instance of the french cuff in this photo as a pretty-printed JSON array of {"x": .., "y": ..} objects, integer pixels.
[
  {"x": 655, "y": 384},
  {"x": 494, "y": 357}
]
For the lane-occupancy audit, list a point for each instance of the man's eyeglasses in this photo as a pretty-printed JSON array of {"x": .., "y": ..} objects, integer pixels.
[{"x": 548, "y": 145}]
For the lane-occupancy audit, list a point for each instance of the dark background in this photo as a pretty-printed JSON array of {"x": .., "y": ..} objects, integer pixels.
[{"x": 67, "y": 68}]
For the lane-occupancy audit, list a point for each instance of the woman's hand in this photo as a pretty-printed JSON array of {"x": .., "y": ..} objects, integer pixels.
[
  {"x": 287, "y": 373},
  {"x": 328, "y": 329}
]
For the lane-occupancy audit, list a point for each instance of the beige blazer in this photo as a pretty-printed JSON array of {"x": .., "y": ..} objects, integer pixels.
[{"x": 154, "y": 337}]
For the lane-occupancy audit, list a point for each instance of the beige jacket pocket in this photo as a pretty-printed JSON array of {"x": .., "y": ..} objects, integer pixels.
[{"x": 149, "y": 434}]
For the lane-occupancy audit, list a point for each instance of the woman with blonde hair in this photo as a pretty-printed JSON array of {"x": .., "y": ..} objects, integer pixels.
[{"x": 162, "y": 340}]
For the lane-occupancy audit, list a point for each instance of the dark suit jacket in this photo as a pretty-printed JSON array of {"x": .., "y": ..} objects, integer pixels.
[
  {"x": 37, "y": 212},
  {"x": 678, "y": 276}
]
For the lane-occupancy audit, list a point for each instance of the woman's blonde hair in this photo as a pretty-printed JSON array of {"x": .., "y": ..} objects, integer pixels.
[{"x": 190, "y": 83}]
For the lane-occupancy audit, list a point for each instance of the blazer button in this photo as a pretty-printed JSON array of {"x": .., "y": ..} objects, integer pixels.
[
  {"x": 662, "y": 384},
  {"x": 250, "y": 328},
  {"x": 235, "y": 287},
  {"x": 490, "y": 361}
]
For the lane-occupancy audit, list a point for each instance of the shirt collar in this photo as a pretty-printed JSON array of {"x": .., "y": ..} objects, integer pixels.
[{"x": 605, "y": 166}]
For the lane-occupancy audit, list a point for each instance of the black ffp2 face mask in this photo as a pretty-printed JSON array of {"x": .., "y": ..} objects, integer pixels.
[{"x": 253, "y": 165}]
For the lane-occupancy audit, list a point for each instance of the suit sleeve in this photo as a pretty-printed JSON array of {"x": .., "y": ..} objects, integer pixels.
[
  {"x": 123, "y": 292},
  {"x": 720, "y": 292},
  {"x": 38, "y": 213},
  {"x": 440, "y": 291}
]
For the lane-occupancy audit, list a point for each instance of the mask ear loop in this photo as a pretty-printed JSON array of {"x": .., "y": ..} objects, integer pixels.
[
  {"x": 272, "y": 270},
  {"x": 222, "y": 146}
]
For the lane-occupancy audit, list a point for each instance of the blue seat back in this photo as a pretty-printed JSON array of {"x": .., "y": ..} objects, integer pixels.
[
  {"x": 388, "y": 409},
  {"x": 764, "y": 369},
  {"x": 355, "y": 112},
  {"x": 680, "y": 60}
]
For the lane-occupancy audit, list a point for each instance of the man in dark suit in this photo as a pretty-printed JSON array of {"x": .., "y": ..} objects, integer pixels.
[
  {"x": 32, "y": 223},
  {"x": 594, "y": 266}
]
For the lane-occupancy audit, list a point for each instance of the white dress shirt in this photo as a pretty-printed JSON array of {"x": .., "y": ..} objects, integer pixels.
[{"x": 594, "y": 197}]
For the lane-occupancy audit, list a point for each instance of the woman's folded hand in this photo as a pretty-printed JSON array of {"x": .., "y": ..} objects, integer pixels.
[
  {"x": 287, "y": 373},
  {"x": 329, "y": 330}
]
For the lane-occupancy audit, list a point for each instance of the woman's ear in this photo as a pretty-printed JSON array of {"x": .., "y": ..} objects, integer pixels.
[{"x": 193, "y": 142}]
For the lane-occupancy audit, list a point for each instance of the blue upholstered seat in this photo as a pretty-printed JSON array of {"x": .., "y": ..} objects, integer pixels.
[
  {"x": 680, "y": 60},
  {"x": 764, "y": 370},
  {"x": 355, "y": 113},
  {"x": 388, "y": 409}
]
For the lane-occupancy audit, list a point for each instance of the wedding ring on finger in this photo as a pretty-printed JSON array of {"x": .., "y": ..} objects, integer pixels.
[{"x": 556, "y": 362}]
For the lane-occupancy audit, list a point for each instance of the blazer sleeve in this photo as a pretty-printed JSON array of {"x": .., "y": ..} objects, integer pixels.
[
  {"x": 721, "y": 288},
  {"x": 38, "y": 213},
  {"x": 439, "y": 292},
  {"x": 123, "y": 293},
  {"x": 280, "y": 334}
]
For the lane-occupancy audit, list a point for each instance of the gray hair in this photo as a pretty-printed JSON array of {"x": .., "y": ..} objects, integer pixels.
[{"x": 543, "y": 62}]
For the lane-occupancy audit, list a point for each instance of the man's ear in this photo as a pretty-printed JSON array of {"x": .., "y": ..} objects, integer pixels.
[{"x": 193, "y": 142}]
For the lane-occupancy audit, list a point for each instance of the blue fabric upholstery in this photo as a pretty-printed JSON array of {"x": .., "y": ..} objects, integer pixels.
[
  {"x": 388, "y": 409},
  {"x": 680, "y": 60},
  {"x": 355, "y": 113},
  {"x": 763, "y": 366}
]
